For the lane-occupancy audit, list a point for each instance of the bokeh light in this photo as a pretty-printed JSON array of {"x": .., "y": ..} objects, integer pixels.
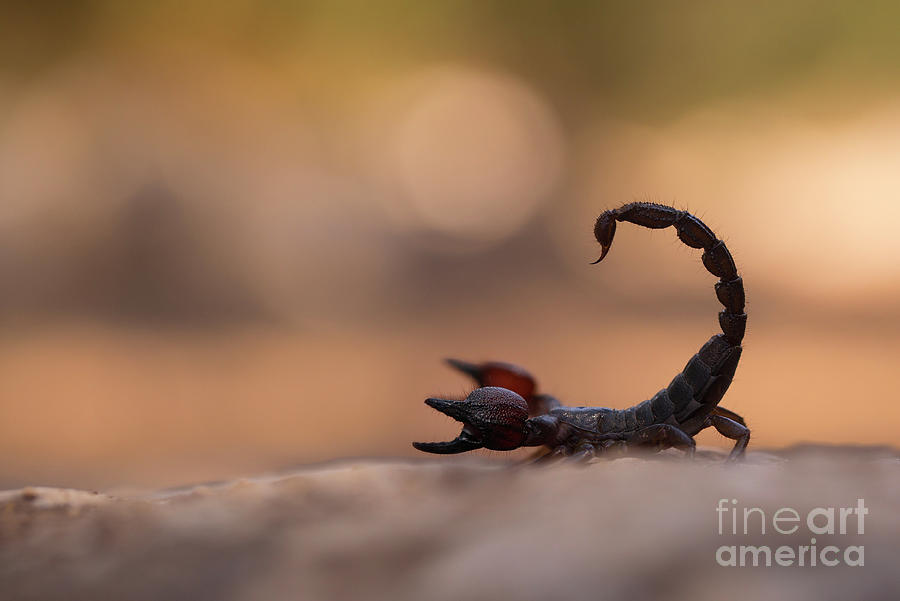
[{"x": 475, "y": 153}]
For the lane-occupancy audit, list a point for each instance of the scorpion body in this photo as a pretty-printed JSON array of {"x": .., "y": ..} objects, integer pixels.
[{"x": 506, "y": 412}]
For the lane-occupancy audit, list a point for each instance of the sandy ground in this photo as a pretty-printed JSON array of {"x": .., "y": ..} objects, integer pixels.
[{"x": 465, "y": 528}]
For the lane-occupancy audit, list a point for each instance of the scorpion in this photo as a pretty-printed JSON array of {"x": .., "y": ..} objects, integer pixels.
[{"x": 506, "y": 411}]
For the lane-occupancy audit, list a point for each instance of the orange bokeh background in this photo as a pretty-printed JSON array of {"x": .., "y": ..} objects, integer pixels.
[{"x": 240, "y": 240}]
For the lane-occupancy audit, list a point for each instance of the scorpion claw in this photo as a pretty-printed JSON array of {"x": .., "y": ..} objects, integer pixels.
[
  {"x": 492, "y": 417},
  {"x": 462, "y": 443},
  {"x": 470, "y": 369},
  {"x": 448, "y": 407},
  {"x": 457, "y": 445},
  {"x": 497, "y": 373}
]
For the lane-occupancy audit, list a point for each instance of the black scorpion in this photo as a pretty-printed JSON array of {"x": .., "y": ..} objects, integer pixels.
[{"x": 506, "y": 412}]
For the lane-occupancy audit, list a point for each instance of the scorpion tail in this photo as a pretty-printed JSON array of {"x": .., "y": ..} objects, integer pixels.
[
  {"x": 693, "y": 232},
  {"x": 697, "y": 390}
]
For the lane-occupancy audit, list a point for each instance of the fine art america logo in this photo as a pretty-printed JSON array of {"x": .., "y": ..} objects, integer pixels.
[{"x": 786, "y": 521}]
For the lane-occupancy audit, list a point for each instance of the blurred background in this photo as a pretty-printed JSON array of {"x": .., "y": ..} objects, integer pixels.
[{"x": 241, "y": 235}]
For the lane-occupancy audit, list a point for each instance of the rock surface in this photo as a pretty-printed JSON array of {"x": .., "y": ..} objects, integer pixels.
[{"x": 631, "y": 528}]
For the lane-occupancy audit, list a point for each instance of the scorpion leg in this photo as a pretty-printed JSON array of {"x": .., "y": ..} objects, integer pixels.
[
  {"x": 733, "y": 430},
  {"x": 533, "y": 457},
  {"x": 583, "y": 453},
  {"x": 663, "y": 436},
  {"x": 554, "y": 455},
  {"x": 729, "y": 414}
]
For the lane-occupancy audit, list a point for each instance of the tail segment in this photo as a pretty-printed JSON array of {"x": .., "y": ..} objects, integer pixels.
[
  {"x": 697, "y": 390},
  {"x": 694, "y": 233}
]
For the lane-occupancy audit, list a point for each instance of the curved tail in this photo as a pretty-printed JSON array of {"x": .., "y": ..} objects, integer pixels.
[
  {"x": 698, "y": 389},
  {"x": 694, "y": 233}
]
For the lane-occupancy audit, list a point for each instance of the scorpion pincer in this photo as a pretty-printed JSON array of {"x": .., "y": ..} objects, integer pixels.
[{"x": 506, "y": 411}]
